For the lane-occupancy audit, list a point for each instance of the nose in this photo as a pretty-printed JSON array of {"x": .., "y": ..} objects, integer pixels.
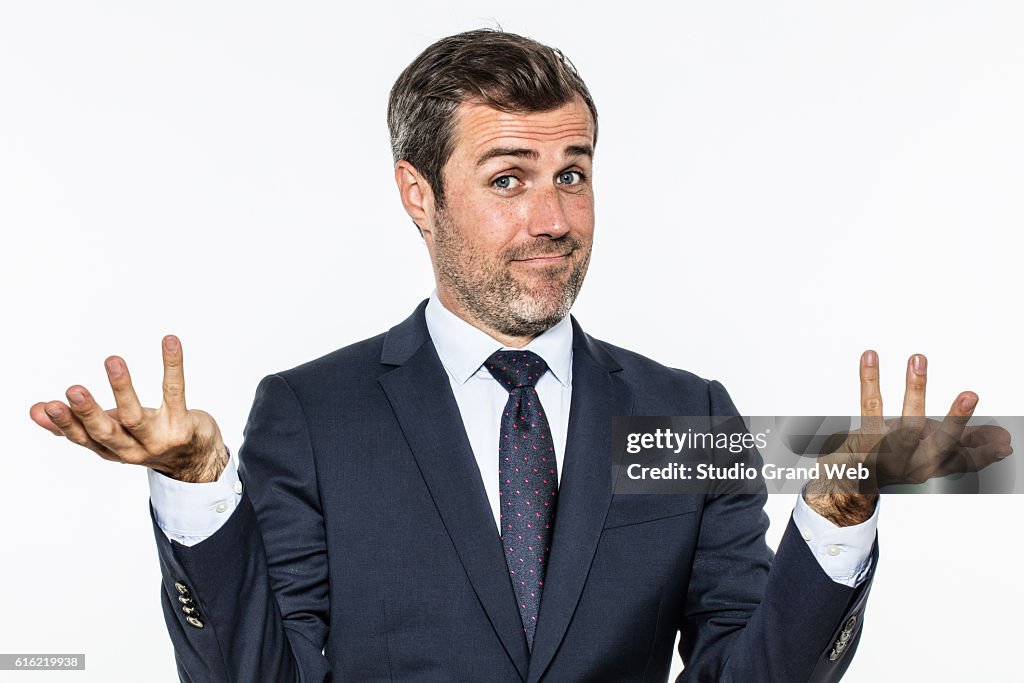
[{"x": 548, "y": 215}]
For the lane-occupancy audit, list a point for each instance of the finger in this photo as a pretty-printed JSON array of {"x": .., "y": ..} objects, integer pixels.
[
  {"x": 870, "y": 394},
  {"x": 974, "y": 459},
  {"x": 38, "y": 414},
  {"x": 914, "y": 395},
  {"x": 129, "y": 410},
  {"x": 99, "y": 425},
  {"x": 978, "y": 435},
  {"x": 71, "y": 427},
  {"x": 952, "y": 428},
  {"x": 174, "y": 377}
]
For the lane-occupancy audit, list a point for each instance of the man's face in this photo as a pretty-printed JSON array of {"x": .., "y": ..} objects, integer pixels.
[{"x": 511, "y": 247}]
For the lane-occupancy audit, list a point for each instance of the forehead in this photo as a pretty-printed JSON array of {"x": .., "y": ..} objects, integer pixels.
[{"x": 480, "y": 127}]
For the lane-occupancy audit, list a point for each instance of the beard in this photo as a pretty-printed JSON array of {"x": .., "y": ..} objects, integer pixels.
[{"x": 487, "y": 289}]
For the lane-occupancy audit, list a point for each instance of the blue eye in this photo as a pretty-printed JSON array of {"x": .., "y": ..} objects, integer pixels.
[
  {"x": 570, "y": 177},
  {"x": 503, "y": 183}
]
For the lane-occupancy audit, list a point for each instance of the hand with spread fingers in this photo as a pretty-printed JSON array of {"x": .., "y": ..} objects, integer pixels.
[
  {"x": 907, "y": 450},
  {"x": 173, "y": 440}
]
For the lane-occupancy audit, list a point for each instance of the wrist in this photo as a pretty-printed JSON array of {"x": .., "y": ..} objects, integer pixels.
[
  {"x": 204, "y": 467},
  {"x": 840, "y": 506}
]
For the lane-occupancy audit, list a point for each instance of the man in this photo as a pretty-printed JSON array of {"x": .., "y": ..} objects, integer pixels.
[{"x": 435, "y": 503}]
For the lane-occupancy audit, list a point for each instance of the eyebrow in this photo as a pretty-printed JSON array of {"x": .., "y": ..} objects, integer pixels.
[{"x": 532, "y": 154}]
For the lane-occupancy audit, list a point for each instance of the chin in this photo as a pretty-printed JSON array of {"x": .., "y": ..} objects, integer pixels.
[{"x": 541, "y": 312}]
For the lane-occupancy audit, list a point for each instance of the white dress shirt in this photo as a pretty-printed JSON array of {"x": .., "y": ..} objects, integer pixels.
[{"x": 189, "y": 513}]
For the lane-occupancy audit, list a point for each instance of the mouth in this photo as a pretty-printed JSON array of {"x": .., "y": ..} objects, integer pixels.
[{"x": 546, "y": 259}]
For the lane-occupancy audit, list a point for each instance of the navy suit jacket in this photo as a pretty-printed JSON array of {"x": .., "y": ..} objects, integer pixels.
[{"x": 364, "y": 548}]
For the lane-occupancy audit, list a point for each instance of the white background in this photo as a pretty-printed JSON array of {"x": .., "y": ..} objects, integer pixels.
[{"x": 779, "y": 186}]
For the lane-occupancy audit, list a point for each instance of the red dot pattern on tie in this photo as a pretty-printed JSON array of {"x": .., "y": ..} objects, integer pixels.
[{"x": 528, "y": 479}]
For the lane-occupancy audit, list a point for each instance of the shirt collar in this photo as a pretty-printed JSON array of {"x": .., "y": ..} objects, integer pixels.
[{"x": 463, "y": 348}]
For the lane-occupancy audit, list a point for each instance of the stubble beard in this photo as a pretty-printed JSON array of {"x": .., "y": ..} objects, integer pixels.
[{"x": 493, "y": 295}]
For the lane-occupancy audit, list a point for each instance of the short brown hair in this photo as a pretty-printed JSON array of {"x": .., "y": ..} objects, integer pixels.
[{"x": 503, "y": 70}]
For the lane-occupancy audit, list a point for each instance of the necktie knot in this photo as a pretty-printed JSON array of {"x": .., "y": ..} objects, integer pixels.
[{"x": 514, "y": 369}]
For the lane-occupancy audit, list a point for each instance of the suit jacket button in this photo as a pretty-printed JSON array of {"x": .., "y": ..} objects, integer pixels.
[
  {"x": 833, "y": 656},
  {"x": 195, "y": 622},
  {"x": 849, "y": 624},
  {"x": 191, "y": 611},
  {"x": 181, "y": 588},
  {"x": 185, "y": 600}
]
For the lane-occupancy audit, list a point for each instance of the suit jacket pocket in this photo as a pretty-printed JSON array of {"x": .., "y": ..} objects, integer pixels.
[{"x": 637, "y": 508}]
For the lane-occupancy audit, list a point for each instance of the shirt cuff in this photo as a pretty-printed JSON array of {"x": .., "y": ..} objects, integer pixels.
[
  {"x": 188, "y": 512},
  {"x": 844, "y": 552}
]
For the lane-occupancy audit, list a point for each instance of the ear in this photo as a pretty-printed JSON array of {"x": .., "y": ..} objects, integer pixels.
[{"x": 417, "y": 197}]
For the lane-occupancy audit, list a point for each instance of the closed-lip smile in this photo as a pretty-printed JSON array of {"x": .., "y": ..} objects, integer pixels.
[{"x": 546, "y": 258}]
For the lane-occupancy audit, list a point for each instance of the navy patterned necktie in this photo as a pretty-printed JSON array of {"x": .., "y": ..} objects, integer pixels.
[{"x": 528, "y": 479}]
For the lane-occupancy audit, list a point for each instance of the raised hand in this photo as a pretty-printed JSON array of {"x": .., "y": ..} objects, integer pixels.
[
  {"x": 907, "y": 450},
  {"x": 178, "y": 442},
  {"x": 913, "y": 449}
]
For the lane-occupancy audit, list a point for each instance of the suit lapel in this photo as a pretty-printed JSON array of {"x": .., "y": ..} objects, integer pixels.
[
  {"x": 421, "y": 396},
  {"x": 584, "y": 493}
]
